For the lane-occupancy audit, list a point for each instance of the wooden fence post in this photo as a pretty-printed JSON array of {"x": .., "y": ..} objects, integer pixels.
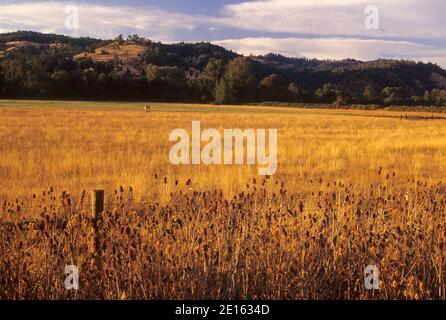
[
  {"x": 97, "y": 203},
  {"x": 97, "y": 207},
  {"x": 63, "y": 195}
]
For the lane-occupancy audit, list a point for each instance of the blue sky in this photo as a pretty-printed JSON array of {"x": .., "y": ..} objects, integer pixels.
[{"x": 330, "y": 29}]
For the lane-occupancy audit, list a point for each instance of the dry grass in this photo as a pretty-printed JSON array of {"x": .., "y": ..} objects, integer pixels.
[
  {"x": 353, "y": 188},
  {"x": 78, "y": 146},
  {"x": 125, "y": 52}
]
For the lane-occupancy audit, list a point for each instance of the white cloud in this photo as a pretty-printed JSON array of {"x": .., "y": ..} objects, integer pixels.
[
  {"x": 96, "y": 20},
  {"x": 338, "y": 48},
  {"x": 323, "y": 29},
  {"x": 398, "y": 18}
]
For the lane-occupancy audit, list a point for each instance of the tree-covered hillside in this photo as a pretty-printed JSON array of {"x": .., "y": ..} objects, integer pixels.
[{"x": 37, "y": 65}]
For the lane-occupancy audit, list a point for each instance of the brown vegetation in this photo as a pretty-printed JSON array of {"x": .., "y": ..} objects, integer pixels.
[
  {"x": 265, "y": 243},
  {"x": 353, "y": 188}
]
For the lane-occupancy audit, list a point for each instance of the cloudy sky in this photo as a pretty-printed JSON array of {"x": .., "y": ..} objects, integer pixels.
[{"x": 325, "y": 29}]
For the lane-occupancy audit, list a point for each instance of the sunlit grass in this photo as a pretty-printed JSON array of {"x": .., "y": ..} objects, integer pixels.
[
  {"x": 84, "y": 145},
  {"x": 353, "y": 188}
]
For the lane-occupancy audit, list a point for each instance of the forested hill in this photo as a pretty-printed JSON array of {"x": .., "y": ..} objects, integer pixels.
[{"x": 36, "y": 65}]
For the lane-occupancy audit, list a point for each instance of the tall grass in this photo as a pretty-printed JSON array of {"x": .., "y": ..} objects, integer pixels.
[
  {"x": 78, "y": 147},
  {"x": 265, "y": 243},
  {"x": 353, "y": 188}
]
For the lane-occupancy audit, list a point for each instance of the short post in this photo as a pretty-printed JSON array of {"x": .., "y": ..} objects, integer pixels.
[
  {"x": 97, "y": 203},
  {"x": 97, "y": 207},
  {"x": 63, "y": 195}
]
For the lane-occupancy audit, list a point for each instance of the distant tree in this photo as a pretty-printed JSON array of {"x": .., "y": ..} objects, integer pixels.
[
  {"x": 273, "y": 87},
  {"x": 165, "y": 82},
  {"x": 153, "y": 55},
  {"x": 135, "y": 38},
  {"x": 116, "y": 60},
  {"x": 173, "y": 76},
  {"x": 295, "y": 92},
  {"x": 85, "y": 64},
  {"x": 201, "y": 88},
  {"x": 119, "y": 39},
  {"x": 427, "y": 97},
  {"x": 91, "y": 81},
  {"x": 442, "y": 98},
  {"x": 371, "y": 93},
  {"x": 237, "y": 83},
  {"x": 343, "y": 96},
  {"x": 436, "y": 97},
  {"x": 214, "y": 70},
  {"x": 327, "y": 93},
  {"x": 2, "y": 80},
  {"x": 394, "y": 95},
  {"x": 223, "y": 93},
  {"x": 417, "y": 100},
  {"x": 162, "y": 56}
]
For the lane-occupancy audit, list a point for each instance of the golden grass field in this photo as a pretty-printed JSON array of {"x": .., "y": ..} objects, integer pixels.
[
  {"x": 80, "y": 145},
  {"x": 353, "y": 188}
]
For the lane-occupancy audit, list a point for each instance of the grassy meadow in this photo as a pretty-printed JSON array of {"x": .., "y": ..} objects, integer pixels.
[
  {"x": 85, "y": 145},
  {"x": 353, "y": 188}
]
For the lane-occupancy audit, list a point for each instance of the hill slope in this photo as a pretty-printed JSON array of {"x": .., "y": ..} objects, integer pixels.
[{"x": 31, "y": 61}]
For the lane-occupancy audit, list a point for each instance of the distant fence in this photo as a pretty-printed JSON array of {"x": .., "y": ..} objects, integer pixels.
[{"x": 416, "y": 117}]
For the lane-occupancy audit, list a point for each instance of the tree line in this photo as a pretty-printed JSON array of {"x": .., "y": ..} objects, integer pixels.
[{"x": 166, "y": 75}]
